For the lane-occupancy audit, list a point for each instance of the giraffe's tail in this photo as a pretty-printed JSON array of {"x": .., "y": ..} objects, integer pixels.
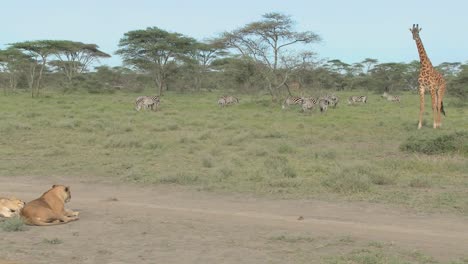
[{"x": 442, "y": 108}]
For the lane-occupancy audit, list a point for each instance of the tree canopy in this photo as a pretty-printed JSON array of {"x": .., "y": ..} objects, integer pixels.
[
  {"x": 153, "y": 49},
  {"x": 266, "y": 42}
]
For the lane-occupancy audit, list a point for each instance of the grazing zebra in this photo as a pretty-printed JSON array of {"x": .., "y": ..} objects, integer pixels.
[
  {"x": 357, "y": 99},
  {"x": 227, "y": 100},
  {"x": 147, "y": 102},
  {"x": 231, "y": 100},
  {"x": 392, "y": 98},
  {"x": 222, "y": 102},
  {"x": 308, "y": 103},
  {"x": 332, "y": 100},
  {"x": 292, "y": 100},
  {"x": 323, "y": 104}
]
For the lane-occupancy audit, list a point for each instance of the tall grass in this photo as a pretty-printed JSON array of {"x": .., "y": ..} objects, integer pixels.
[{"x": 370, "y": 152}]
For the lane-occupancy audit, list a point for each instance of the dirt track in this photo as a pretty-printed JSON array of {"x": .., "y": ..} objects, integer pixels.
[{"x": 132, "y": 224}]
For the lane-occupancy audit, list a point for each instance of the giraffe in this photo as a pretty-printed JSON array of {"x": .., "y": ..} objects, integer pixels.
[{"x": 429, "y": 78}]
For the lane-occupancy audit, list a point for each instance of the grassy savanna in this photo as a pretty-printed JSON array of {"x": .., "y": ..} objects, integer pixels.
[{"x": 358, "y": 152}]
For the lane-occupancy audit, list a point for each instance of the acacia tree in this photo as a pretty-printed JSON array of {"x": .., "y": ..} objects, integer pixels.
[
  {"x": 201, "y": 57},
  {"x": 74, "y": 58},
  {"x": 368, "y": 64},
  {"x": 391, "y": 76},
  {"x": 38, "y": 51},
  {"x": 459, "y": 84},
  {"x": 13, "y": 62},
  {"x": 154, "y": 50},
  {"x": 267, "y": 43}
]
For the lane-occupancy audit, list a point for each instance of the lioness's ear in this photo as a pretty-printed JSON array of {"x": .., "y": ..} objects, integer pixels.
[{"x": 53, "y": 186}]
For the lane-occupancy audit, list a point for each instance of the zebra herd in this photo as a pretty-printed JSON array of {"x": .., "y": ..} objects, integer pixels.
[
  {"x": 306, "y": 103},
  {"x": 309, "y": 103}
]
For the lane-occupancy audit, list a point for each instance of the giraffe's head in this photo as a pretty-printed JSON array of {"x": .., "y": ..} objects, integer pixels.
[{"x": 415, "y": 30}]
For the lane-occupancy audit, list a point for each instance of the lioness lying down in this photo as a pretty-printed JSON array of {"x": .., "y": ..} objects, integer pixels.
[
  {"x": 10, "y": 207},
  {"x": 49, "y": 209}
]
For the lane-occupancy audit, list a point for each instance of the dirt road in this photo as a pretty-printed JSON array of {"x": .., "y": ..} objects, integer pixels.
[{"x": 168, "y": 224}]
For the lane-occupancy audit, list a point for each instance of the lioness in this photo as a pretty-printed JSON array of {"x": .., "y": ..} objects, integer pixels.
[
  {"x": 49, "y": 209},
  {"x": 10, "y": 207}
]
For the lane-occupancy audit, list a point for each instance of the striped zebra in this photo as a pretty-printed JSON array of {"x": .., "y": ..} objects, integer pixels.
[
  {"x": 231, "y": 100},
  {"x": 308, "y": 103},
  {"x": 147, "y": 102},
  {"x": 357, "y": 99},
  {"x": 222, "y": 102},
  {"x": 323, "y": 104},
  {"x": 391, "y": 98},
  {"x": 227, "y": 100},
  {"x": 332, "y": 100},
  {"x": 292, "y": 100}
]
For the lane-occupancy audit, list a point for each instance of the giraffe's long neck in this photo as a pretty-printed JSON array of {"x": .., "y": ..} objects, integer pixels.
[{"x": 425, "y": 61}]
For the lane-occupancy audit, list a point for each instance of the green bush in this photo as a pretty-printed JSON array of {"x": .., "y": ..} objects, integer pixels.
[
  {"x": 451, "y": 143},
  {"x": 13, "y": 224}
]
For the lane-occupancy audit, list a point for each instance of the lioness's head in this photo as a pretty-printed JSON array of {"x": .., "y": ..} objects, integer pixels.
[
  {"x": 15, "y": 205},
  {"x": 63, "y": 191}
]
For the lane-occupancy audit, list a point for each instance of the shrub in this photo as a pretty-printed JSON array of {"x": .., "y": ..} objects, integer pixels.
[
  {"x": 348, "y": 181},
  {"x": 451, "y": 143},
  {"x": 13, "y": 224}
]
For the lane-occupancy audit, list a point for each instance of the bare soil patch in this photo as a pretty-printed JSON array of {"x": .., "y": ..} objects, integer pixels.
[{"x": 122, "y": 223}]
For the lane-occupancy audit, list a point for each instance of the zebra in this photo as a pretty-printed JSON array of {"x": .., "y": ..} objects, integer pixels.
[
  {"x": 222, "y": 102},
  {"x": 227, "y": 100},
  {"x": 231, "y": 100},
  {"x": 332, "y": 100},
  {"x": 292, "y": 100},
  {"x": 323, "y": 104},
  {"x": 147, "y": 102},
  {"x": 357, "y": 99},
  {"x": 308, "y": 103},
  {"x": 392, "y": 98}
]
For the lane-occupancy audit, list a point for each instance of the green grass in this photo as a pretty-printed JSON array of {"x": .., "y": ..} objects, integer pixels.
[
  {"x": 13, "y": 224},
  {"x": 372, "y": 255},
  {"x": 455, "y": 142},
  {"x": 369, "y": 152}
]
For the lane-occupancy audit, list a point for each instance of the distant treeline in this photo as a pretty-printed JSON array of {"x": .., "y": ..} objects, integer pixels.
[{"x": 262, "y": 56}]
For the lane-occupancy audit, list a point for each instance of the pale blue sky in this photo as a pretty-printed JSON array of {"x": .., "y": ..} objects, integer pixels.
[{"x": 351, "y": 30}]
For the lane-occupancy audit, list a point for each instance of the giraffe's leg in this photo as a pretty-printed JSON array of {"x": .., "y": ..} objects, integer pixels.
[
  {"x": 421, "y": 106},
  {"x": 438, "y": 107},
  {"x": 434, "y": 105},
  {"x": 440, "y": 96}
]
